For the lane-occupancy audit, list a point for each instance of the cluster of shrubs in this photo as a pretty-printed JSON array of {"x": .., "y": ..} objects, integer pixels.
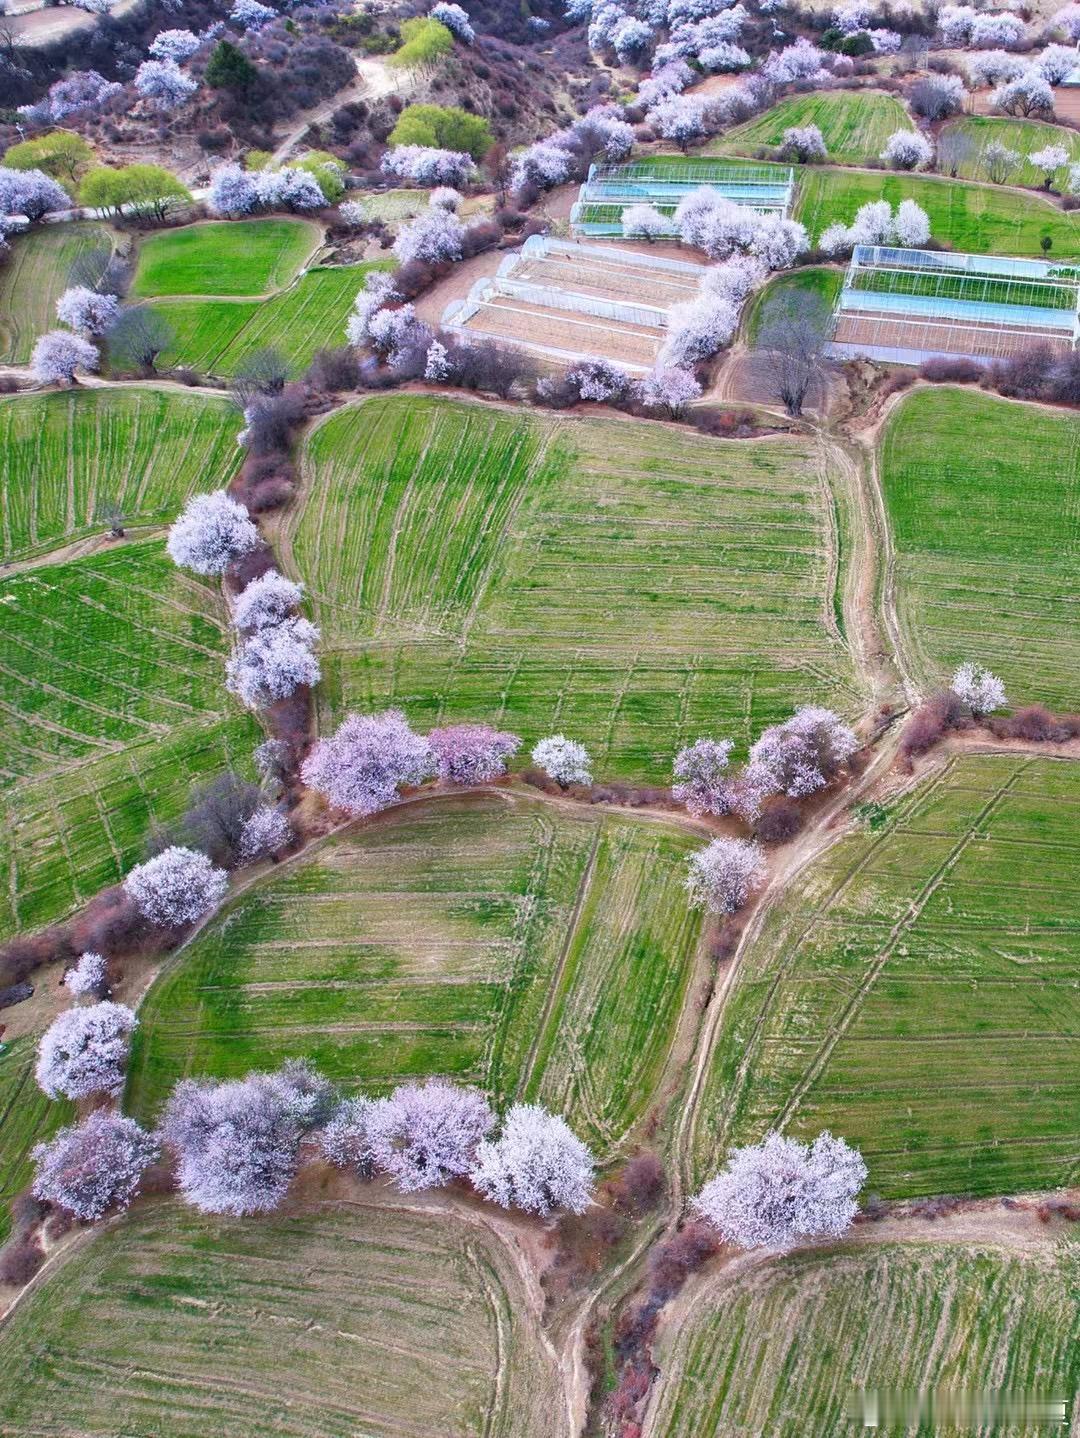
[{"x": 1039, "y": 373}]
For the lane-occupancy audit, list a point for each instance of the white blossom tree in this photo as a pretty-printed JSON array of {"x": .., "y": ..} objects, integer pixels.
[
  {"x": 424, "y": 1135},
  {"x": 378, "y": 292},
  {"x": 563, "y": 759},
  {"x": 344, "y": 1138},
  {"x": 438, "y": 366},
  {"x": 1028, "y": 95},
  {"x": 251, "y": 15},
  {"x": 804, "y": 143},
  {"x": 274, "y": 662},
  {"x": 94, "y": 1166},
  {"x": 997, "y": 29},
  {"x": 455, "y": 19},
  {"x": 86, "y": 310},
  {"x": 445, "y": 197},
  {"x": 780, "y": 1192},
  {"x": 268, "y": 600},
  {"x": 697, "y": 329},
  {"x": 1067, "y": 21},
  {"x": 84, "y": 1051},
  {"x": 1056, "y": 63},
  {"x": 994, "y": 67},
  {"x": 435, "y": 235},
  {"x": 31, "y": 193},
  {"x": 667, "y": 80},
  {"x": 232, "y": 191},
  {"x": 471, "y": 753},
  {"x": 645, "y": 222},
  {"x": 174, "y": 45},
  {"x": 59, "y": 354},
  {"x": 237, "y": 1143},
  {"x": 81, "y": 90},
  {"x": 701, "y": 779},
  {"x": 679, "y": 118},
  {"x": 543, "y": 164},
  {"x": 537, "y": 1164},
  {"x": 778, "y": 242},
  {"x": 802, "y": 755},
  {"x": 164, "y": 83},
  {"x": 955, "y": 23},
  {"x": 266, "y": 831},
  {"x": 907, "y": 150},
  {"x": 289, "y": 188},
  {"x": 177, "y": 886},
  {"x": 835, "y": 239},
  {"x": 599, "y": 380},
  {"x": 735, "y": 277},
  {"x": 912, "y": 224},
  {"x": 87, "y": 976},
  {"x": 212, "y": 532},
  {"x": 670, "y": 388},
  {"x": 1050, "y": 159},
  {"x": 800, "y": 61},
  {"x": 873, "y": 224},
  {"x": 362, "y": 767},
  {"x": 724, "y": 874},
  {"x": 981, "y": 690}
]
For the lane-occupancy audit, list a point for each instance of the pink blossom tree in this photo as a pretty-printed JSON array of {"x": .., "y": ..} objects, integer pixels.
[
  {"x": 362, "y": 767},
  {"x": 92, "y": 1167},
  {"x": 428, "y": 165},
  {"x": 344, "y": 1139},
  {"x": 212, "y": 532},
  {"x": 701, "y": 778},
  {"x": 32, "y": 193},
  {"x": 435, "y": 235},
  {"x": 176, "y": 887},
  {"x": 723, "y": 875},
  {"x": 801, "y": 755},
  {"x": 58, "y": 354},
  {"x": 269, "y": 600},
  {"x": 274, "y": 662},
  {"x": 423, "y": 1136},
  {"x": 84, "y": 1051},
  {"x": 599, "y": 380},
  {"x": 537, "y": 1164},
  {"x": 780, "y": 1192},
  {"x": 471, "y": 753},
  {"x": 86, "y": 978},
  {"x": 670, "y": 388},
  {"x": 237, "y": 1143},
  {"x": 266, "y": 832}
]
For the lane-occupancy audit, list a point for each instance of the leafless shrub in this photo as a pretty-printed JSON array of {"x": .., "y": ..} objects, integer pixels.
[
  {"x": 931, "y": 721},
  {"x": 781, "y": 821},
  {"x": 20, "y": 1259}
]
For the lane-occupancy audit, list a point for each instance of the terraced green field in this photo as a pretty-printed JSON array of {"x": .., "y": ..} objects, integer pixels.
[
  {"x": 1023, "y": 136},
  {"x": 497, "y": 941},
  {"x": 33, "y": 278},
  {"x": 629, "y": 585},
  {"x": 785, "y": 1349},
  {"x": 228, "y": 257},
  {"x": 853, "y": 124},
  {"x": 26, "y": 1116},
  {"x": 65, "y": 455},
  {"x": 978, "y": 218},
  {"x": 217, "y": 336},
  {"x": 353, "y": 1319},
  {"x": 916, "y": 991},
  {"x": 987, "y": 539}
]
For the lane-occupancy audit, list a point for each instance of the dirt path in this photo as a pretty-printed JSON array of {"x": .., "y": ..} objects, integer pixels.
[{"x": 374, "y": 80}]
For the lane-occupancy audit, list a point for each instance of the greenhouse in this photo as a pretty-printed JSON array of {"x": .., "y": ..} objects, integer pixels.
[
  {"x": 664, "y": 180},
  {"x": 905, "y": 306}
]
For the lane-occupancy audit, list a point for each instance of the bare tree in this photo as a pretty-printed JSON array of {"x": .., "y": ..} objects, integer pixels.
[
  {"x": 264, "y": 372},
  {"x": 791, "y": 343},
  {"x": 954, "y": 149},
  {"x": 139, "y": 335}
]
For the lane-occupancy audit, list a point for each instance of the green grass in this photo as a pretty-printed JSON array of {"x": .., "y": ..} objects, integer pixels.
[
  {"x": 350, "y": 1320},
  {"x": 782, "y": 1351},
  {"x": 66, "y": 836},
  {"x": 978, "y": 218},
  {"x": 816, "y": 280},
  {"x": 853, "y": 124},
  {"x": 217, "y": 336},
  {"x": 540, "y": 956},
  {"x": 1023, "y": 136},
  {"x": 241, "y": 257},
  {"x": 64, "y": 455},
  {"x": 630, "y": 585},
  {"x": 26, "y": 1117},
  {"x": 982, "y": 497},
  {"x": 34, "y": 276},
  {"x": 916, "y": 991}
]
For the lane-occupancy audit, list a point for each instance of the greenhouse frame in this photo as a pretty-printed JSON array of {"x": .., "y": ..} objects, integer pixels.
[
  {"x": 905, "y": 306},
  {"x": 610, "y": 189}
]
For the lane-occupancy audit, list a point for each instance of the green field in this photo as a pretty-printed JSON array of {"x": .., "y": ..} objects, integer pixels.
[
  {"x": 34, "y": 276},
  {"x": 26, "y": 1116},
  {"x": 349, "y": 1320},
  {"x": 782, "y": 1351},
  {"x": 970, "y": 286},
  {"x": 1023, "y": 136},
  {"x": 853, "y": 124},
  {"x": 817, "y": 280},
  {"x": 632, "y": 586},
  {"x": 979, "y": 218},
  {"x": 241, "y": 257},
  {"x": 539, "y": 956},
  {"x": 217, "y": 336},
  {"x": 65, "y": 455},
  {"x": 916, "y": 991},
  {"x": 987, "y": 539}
]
